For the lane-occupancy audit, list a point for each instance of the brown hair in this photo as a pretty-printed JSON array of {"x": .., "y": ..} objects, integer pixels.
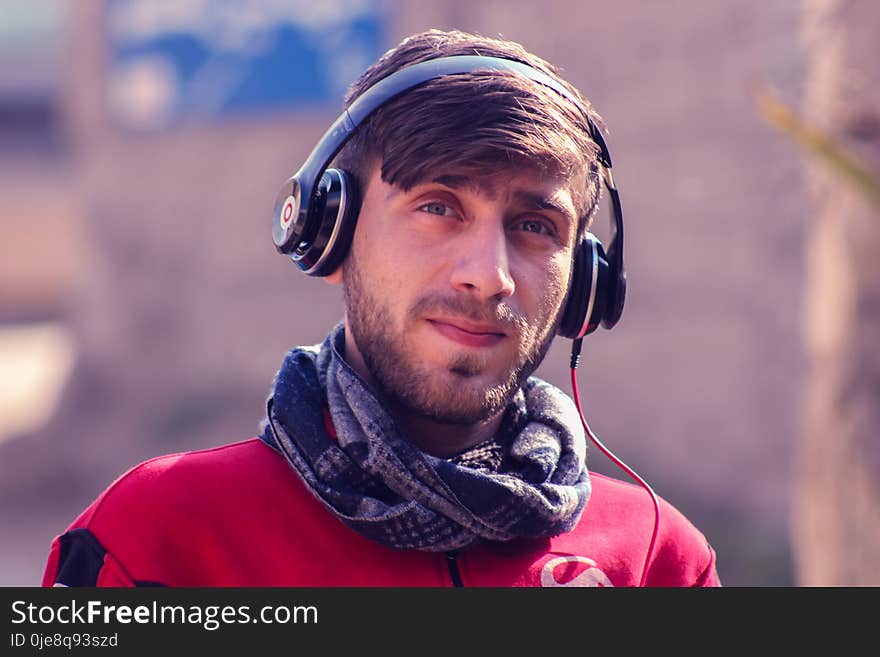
[{"x": 475, "y": 124}]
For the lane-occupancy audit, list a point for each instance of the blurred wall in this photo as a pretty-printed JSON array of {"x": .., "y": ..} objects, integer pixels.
[{"x": 181, "y": 310}]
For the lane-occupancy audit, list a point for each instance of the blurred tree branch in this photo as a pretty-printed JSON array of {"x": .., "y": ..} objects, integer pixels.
[{"x": 838, "y": 159}]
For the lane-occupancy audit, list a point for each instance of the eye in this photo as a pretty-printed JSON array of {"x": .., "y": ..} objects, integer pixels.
[
  {"x": 435, "y": 207},
  {"x": 536, "y": 226}
]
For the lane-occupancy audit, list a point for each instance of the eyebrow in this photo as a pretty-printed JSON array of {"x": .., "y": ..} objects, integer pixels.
[
  {"x": 461, "y": 182},
  {"x": 535, "y": 201}
]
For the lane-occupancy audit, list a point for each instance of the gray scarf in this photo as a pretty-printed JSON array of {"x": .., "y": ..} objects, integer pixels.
[{"x": 382, "y": 486}]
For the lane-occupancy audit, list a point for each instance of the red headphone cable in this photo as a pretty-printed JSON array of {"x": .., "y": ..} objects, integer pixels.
[{"x": 575, "y": 356}]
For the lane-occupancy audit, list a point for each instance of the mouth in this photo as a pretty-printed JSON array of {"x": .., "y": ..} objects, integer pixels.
[{"x": 467, "y": 333}]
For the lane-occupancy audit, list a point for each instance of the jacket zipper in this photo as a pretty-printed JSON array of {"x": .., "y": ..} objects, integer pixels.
[{"x": 454, "y": 572}]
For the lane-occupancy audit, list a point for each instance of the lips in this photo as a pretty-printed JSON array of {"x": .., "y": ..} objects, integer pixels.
[{"x": 467, "y": 333}]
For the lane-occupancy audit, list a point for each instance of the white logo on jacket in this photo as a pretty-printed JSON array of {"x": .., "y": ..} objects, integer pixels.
[{"x": 592, "y": 576}]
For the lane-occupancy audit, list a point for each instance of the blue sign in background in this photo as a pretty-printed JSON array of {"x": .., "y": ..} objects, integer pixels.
[{"x": 180, "y": 61}]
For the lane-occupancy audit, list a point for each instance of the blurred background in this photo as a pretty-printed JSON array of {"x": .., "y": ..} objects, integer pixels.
[{"x": 144, "y": 310}]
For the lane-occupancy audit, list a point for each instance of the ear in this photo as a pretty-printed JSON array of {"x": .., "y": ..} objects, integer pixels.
[{"x": 334, "y": 278}]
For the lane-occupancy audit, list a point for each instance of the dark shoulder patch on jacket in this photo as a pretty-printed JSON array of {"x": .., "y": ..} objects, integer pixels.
[{"x": 81, "y": 559}]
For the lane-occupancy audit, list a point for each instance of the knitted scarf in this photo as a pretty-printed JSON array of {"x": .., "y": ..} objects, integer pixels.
[{"x": 385, "y": 488}]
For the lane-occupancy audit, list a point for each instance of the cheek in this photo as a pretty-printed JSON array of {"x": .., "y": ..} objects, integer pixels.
[
  {"x": 385, "y": 274},
  {"x": 373, "y": 261},
  {"x": 550, "y": 293}
]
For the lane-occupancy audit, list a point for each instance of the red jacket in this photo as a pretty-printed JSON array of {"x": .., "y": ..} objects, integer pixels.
[{"x": 237, "y": 515}]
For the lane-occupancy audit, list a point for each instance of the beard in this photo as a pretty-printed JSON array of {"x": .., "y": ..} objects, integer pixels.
[{"x": 404, "y": 382}]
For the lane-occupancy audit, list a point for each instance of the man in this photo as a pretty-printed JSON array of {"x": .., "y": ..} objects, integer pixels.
[{"x": 412, "y": 447}]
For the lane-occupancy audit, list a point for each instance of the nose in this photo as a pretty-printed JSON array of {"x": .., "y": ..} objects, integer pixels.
[{"x": 482, "y": 266}]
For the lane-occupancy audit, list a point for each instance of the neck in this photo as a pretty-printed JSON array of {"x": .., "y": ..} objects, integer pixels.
[{"x": 442, "y": 439}]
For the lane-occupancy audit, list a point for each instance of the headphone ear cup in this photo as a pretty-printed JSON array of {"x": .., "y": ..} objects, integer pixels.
[
  {"x": 336, "y": 203},
  {"x": 576, "y": 302},
  {"x": 588, "y": 290},
  {"x": 289, "y": 221},
  {"x": 616, "y": 300}
]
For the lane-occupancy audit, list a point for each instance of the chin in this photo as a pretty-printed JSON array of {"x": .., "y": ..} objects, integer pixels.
[{"x": 472, "y": 401}]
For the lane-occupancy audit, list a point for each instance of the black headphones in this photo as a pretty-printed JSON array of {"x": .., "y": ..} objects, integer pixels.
[{"x": 316, "y": 209}]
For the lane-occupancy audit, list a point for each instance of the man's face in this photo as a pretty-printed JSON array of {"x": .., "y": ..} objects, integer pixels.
[{"x": 454, "y": 288}]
